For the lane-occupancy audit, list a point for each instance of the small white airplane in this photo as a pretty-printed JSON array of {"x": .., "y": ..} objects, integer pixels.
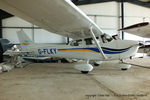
[
  {"x": 143, "y": 30},
  {"x": 64, "y": 18}
]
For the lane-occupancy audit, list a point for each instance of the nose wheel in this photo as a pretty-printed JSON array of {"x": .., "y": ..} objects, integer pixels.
[
  {"x": 124, "y": 69},
  {"x": 124, "y": 66}
]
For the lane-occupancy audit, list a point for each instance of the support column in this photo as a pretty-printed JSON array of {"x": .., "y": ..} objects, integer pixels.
[
  {"x": 95, "y": 19},
  {"x": 122, "y": 17},
  {"x": 1, "y": 49},
  {"x": 0, "y": 26},
  {"x": 33, "y": 33}
]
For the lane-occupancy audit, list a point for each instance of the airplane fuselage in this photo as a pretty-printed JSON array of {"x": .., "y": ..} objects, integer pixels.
[{"x": 115, "y": 50}]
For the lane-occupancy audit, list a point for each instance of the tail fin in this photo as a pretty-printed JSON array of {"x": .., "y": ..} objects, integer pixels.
[{"x": 24, "y": 40}]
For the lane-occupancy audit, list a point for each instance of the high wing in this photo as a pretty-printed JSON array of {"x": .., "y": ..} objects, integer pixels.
[
  {"x": 57, "y": 16},
  {"x": 140, "y": 29}
]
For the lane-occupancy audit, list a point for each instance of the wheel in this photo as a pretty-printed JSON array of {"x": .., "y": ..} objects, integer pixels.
[
  {"x": 124, "y": 69},
  {"x": 84, "y": 72},
  {"x": 95, "y": 64}
]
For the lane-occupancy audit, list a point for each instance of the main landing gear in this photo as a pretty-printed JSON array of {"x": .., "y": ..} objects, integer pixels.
[
  {"x": 97, "y": 63},
  {"x": 84, "y": 67}
]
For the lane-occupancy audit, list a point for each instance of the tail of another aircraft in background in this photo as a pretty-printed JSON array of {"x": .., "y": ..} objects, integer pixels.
[{"x": 24, "y": 40}]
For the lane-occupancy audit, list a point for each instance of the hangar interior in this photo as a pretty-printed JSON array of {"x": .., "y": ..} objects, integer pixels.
[{"x": 57, "y": 81}]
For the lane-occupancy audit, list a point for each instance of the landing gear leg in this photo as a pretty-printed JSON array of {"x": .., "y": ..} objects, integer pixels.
[{"x": 121, "y": 61}]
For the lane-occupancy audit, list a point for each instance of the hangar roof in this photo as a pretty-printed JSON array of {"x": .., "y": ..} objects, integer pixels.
[
  {"x": 4, "y": 14},
  {"x": 145, "y": 3}
]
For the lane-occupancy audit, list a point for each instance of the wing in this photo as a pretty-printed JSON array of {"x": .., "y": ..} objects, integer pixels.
[
  {"x": 57, "y": 16},
  {"x": 140, "y": 29}
]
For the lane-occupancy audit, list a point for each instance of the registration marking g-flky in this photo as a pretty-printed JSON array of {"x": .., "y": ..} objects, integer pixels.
[{"x": 50, "y": 51}]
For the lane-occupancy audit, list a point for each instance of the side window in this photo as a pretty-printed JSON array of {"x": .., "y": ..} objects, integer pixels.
[
  {"x": 88, "y": 41},
  {"x": 76, "y": 43},
  {"x": 73, "y": 43},
  {"x": 104, "y": 38},
  {"x": 79, "y": 42}
]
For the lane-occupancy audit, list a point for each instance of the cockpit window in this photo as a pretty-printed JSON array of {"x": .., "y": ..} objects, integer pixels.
[
  {"x": 106, "y": 38},
  {"x": 76, "y": 42},
  {"x": 89, "y": 41}
]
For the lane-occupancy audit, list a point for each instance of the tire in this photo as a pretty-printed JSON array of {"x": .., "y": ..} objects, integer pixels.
[
  {"x": 84, "y": 72},
  {"x": 1, "y": 53},
  {"x": 95, "y": 64},
  {"x": 124, "y": 69}
]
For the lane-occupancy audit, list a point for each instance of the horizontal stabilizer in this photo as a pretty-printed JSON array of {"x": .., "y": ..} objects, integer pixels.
[
  {"x": 140, "y": 29},
  {"x": 36, "y": 58},
  {"x": 145, "y": 47},
  {"x": 15, "y": 53}
]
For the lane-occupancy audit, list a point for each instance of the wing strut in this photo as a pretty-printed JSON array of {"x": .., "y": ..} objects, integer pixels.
[{"x": 97, "y": 43}]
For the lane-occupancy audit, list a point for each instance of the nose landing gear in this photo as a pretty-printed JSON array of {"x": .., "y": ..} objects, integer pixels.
[{"x": 124, "y": 66}]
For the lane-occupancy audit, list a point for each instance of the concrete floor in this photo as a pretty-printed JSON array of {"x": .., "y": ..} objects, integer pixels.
[{"x": 62, "y": 82}]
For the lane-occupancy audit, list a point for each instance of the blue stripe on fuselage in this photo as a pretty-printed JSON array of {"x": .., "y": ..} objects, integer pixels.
[{"x": 105, "y": 50}]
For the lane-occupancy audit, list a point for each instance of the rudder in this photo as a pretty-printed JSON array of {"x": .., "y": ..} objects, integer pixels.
[{"x": 24, "y": 40}]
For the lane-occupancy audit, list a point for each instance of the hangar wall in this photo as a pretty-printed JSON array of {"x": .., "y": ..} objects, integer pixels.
[
  {"x": 106, "y": 15},
  {"x": 37, "y": 35}
]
